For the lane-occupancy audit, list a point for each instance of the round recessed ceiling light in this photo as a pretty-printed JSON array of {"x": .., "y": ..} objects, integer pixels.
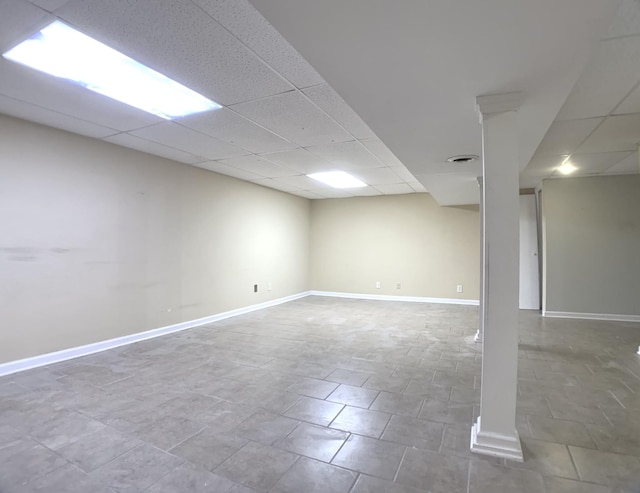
[{"x": 463, "y": 158}]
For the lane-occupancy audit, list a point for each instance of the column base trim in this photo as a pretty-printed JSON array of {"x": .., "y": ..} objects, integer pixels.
[{"x": 496, "y": 445}]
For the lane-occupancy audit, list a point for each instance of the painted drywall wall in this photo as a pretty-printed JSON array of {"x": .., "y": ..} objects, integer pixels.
[
  {"x": 406, "y": 239},
  {"x": 99, "y": 241},
  {"x": 592, "y": 240}
]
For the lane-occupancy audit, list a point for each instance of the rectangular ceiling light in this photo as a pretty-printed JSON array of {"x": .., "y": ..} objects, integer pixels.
[
  {"x": 63, "y": 52},
  {"x": 338, "y": 179}
]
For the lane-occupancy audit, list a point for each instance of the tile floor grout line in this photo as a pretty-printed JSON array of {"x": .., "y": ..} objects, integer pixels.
[{"x": 404, "y": 453}]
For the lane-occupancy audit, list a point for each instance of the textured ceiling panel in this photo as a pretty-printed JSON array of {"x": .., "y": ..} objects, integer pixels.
[
  {"x": 382, "y": 152},
  {"x": 259, "y": 166},
  {"x": 626, "y": 21},
  {"x": 346, "y": 155},
  {"x": 19, "y": 20},
  {"x": 185, "y": 139},
  {"x": 177, "y": 39},
  {"x": 617, "y": 133},
  {"x": 377, "y": 176},
  {"x": 396, "y": 188},
  {"x": 229, "y": 171},
  {"x": 331, "y": 102},
  {"x": 597, "y": 162},
  {"x": 610, "y": 75},
  {"x": 44, "y": 116},
  {"x": 299, "y": 160},
  {"x": 293, "y": 117},
  {"x": 49, "y": 5},
  {"x": 303, "y": 182},
  {"x": 276, "y": 184},
  {"x": 232, "y": 128},
  {"x": 630, "y": 164},
  {"x": 34, "y": 87},
  {"x": 239, "y": 17},
  {"x": 564, "y": 137},
  {"x": 149, "y": 147}
]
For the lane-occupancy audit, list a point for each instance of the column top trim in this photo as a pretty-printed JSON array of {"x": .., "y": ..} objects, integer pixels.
[{"x": 498, "y": 103}]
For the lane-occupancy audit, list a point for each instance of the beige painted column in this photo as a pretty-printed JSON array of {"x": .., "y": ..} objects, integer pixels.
[
  {"x": 478, "y": 336},
  {"x": 495, "y": 431}
]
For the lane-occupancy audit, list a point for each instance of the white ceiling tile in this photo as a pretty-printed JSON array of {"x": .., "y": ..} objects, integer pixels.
[
  {"x": 246, "y": 23},
  {"x": 234, "y": 129},
  {"x": 177, "y": 39},
  {"x": 336, "y": 107},
  {"x": 365, "y": 192},
  {"x": 299, "y": 160},
  {"x": 223, "y": 169},
  {"x": 382, "y": 152},
  {"x": 452, "y": 189},
  {"x": 44, "y": 116},
  {"x": 377, "y": 176},
  {"x": 403, "y": 173},
  {"x": 308, "y": 195},
  {"x": 173, "y": 135},
  {"x": 630, "y": 164},
  {"x": 564, "y": 137},
  {"x": 295, "y": 118},
  {"x": 543, "y": 165},
  {"x": 346, "y": 155},
  {"x": 149, "y": 147},
  {"x": 617, "y": 133},
  {"x": 302, "y": 182},
  {"x": 597, "y": 162},
  {"x": 332, "y": 193},
  {"x": 261, "y": 167},
  {"x": 631, "y": 104},
  {"x": 49, "y": 5},
  {"x": 25, "y": 84},
  {"x": 610, "y": 75},
  {"x": 276, "y": 184},
  {"x": 417, "y": 187},
  {"x": 18, "y": 21},
  {"x": 395, "y": 189},
  {"x": 626, "y": 21}
]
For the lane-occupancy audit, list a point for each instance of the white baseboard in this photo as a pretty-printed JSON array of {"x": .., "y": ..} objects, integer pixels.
[
  {"x": 384, "y": 297},
  {"x": 76, "y": 352},
  {"x": 496, "y": 445},
  {"x": 612, "y": 317}
]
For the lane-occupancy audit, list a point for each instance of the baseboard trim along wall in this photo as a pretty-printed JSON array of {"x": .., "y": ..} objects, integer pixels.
[
  {"x": 610, "y": 317},
  {"x": 384, "y": 297},
  {"x": 76, "y": 352}
]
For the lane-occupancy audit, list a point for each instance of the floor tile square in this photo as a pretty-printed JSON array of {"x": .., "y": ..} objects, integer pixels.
[
  {"x": 353, "y": 396},
  {"x": 314, "y": 441},
  {"x": 361, "y": 421},
  {"x": 314, "y": 411},
  {"x": 310, "y": 476},
  {"x": 257, "y": 466},
  {"x": 369, "y": 456}
]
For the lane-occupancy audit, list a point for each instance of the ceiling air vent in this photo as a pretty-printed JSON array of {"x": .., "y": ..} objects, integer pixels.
[{"x": 463, "y": 158}]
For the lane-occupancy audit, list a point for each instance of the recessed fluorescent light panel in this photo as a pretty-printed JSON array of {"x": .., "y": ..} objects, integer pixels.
[
  {"x": 338, "y": 179},
  {"x": 63, "y": 52}
]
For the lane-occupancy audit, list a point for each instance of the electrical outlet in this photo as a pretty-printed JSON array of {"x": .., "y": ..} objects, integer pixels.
[
  {"x": 459, "y": 288},
  {"x": 269, "y": 286},
  {"x": 398, "y": 285},
  {"x": 377, "y": 284}
]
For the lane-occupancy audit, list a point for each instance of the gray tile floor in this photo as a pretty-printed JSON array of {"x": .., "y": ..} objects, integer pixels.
[{"x": 326, "y": 395}]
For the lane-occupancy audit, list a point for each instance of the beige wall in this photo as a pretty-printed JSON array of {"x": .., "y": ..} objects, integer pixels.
[
  {"x": 592, "y": 236},
  {"x": 399, "y": 238},
  {"x": 99, "y": 241}
]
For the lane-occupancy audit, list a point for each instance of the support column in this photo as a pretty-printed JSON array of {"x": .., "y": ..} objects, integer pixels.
[
  {"x": 495, "y": 431},
  {"x": 478, "y": 336}
]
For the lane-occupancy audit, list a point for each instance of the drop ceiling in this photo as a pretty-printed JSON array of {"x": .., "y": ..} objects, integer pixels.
[
  {"x": 410, "y": 70},
  {"x": 280, "y": 119}
]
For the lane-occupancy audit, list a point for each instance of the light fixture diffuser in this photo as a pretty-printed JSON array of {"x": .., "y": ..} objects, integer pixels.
[
  {"x": 63, "y": 52},
  {"x": 566, "y": 168},
  {"x": 338, "y": 179}
]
